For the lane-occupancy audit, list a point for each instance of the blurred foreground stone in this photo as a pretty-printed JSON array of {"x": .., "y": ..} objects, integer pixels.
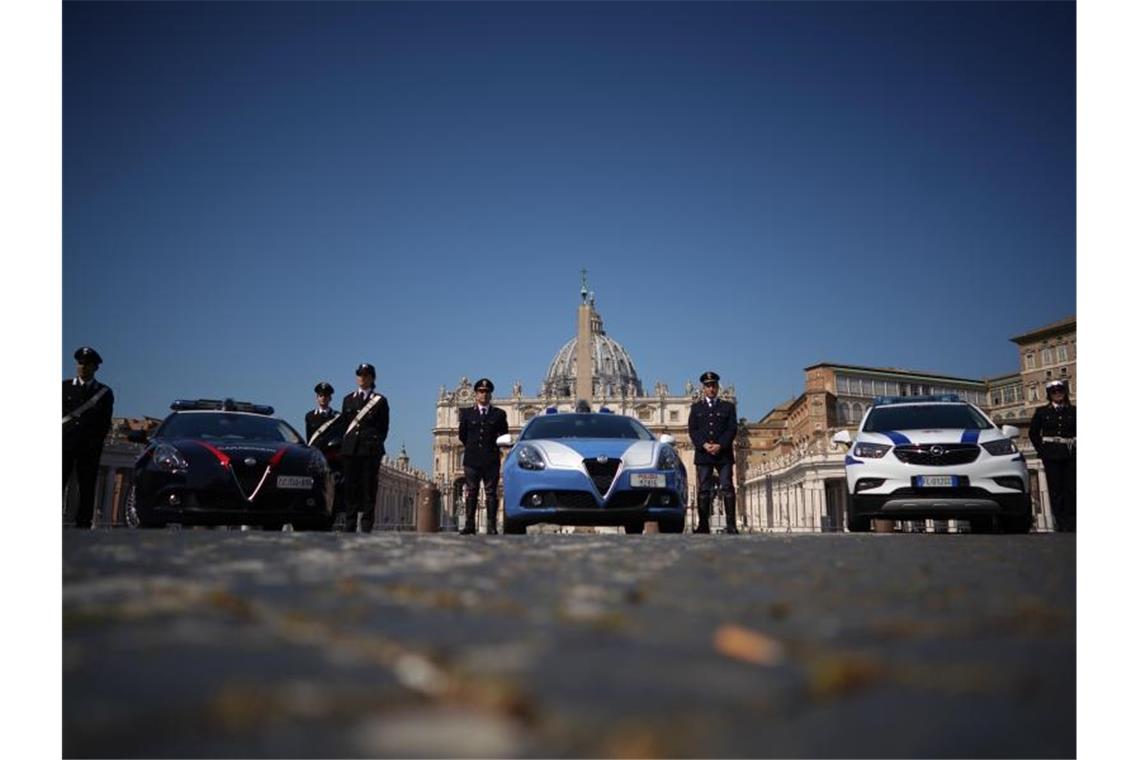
[{"x": 226, "y": 643}]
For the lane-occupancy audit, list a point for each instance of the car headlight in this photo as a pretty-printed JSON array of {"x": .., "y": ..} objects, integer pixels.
[
  {"x": 667, "y": 459},
  {"x": 317, "y": 464},
  {"x": 1000, "y": 447},
  {"x": 530, "y": 459},
  {"x": 169, "y": 459},
  {"x": 870, "y": 450}
]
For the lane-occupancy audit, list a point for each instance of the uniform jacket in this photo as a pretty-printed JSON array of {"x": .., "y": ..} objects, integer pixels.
[
  {"x": 91, "y": 428},
  {"x": 313, "y": 421},
  {"x": 367, "y": 438},
  {"x": 712, "y": 424},
  {"x": 1059, "y": 422},
  {"x": 477, "y": 433}
]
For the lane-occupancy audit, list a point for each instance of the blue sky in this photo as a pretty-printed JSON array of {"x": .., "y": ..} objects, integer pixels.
[{"x": 260, "y": 196}]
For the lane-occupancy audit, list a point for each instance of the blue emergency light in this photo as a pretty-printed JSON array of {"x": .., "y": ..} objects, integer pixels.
[{"x": 888, "y": 400}]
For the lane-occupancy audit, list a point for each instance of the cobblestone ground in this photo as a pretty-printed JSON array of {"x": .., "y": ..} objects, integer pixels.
[{"x": 221, "y": 643}]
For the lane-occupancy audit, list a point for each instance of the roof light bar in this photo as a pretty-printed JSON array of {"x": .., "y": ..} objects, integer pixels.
[
  {"x": 887, "y": 400},
  {"x": 212, "y": 404}
]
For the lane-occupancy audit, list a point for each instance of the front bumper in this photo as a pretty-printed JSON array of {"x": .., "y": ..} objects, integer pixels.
[
  {"x": 569, "y": 497},
  {"x": 949, "y": 503},
  {"x": 178, "y": 504}
]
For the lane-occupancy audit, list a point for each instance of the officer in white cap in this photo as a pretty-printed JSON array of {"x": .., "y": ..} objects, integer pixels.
[
  {"x": 1053, "y": 432},
  {"x": 87, "y": 408}
]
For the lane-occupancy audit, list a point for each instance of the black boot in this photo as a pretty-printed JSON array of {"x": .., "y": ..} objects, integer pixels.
[
  {"x": 469, "y": 523},
  {"x": 730, "y": 514},
  {"x": 492, "y": 520},
  {"x": 704, "y": 504}
]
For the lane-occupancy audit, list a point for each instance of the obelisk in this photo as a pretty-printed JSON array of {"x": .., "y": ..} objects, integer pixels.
[{"x": 584, "y": 382}]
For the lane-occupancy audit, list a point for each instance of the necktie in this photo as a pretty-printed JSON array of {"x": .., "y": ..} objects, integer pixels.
[{"x": 482, "y": 412}]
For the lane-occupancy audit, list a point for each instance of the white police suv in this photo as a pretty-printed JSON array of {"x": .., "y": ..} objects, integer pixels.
[{"x": 918, "y": 457}]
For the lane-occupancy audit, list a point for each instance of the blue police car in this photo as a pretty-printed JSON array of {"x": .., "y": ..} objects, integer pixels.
[{"x": 592, "y": 468}]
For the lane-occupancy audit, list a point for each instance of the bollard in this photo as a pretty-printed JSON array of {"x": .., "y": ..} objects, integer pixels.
[
  {"x": 883, "y": 526},
  {"x": 427, "y": 509}
]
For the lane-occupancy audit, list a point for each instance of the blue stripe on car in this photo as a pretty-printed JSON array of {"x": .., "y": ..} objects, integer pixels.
[
  {"x": 970, "y": 436},
  {"x": 851, "y": 460},
  {"x": 897, "y": 438}
]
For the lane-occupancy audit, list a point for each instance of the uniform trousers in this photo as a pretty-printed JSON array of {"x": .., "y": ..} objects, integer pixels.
[
  {"x": 361, "y": 480},
  {"x": 488, "y": 475},
  {"x": 1061, "y": 478},
  {"x": 85, "y": 461},
  {"x": 719, "y": 474}
]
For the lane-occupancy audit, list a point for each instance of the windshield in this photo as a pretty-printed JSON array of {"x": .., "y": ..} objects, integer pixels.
[
  {"x": 585, "y": 426},
  {"x": 928, "y": 417},
  {"x": 226, "y": 426}
]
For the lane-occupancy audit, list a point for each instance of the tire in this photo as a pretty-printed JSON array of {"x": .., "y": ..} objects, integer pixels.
[
  {"x": 136, "y": 520},
  {"x": 858, "y": 524},
  {"x": 513, "y": 527},
  {"x": 634, "y": 528},
  {"x": 671, "y": 526}
]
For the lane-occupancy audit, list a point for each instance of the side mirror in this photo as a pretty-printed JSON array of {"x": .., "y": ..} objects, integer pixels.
[
  {"x": 667, "y": 439},
  {"x": 1009, "y": 431},
  {"x": 842, "y": 437},
  {"x": 136, "y": 436},
  {"x": 504, "y": 441}
]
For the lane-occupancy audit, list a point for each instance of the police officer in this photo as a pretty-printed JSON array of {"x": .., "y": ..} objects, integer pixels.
[
  {"x": 1053, "y": 432},
  {"x": 316, "y": 418},
  {"x": 87, "y": 406},
  {"x": 712, "y": 429},
  {"x": 479, "y": 426},
  {"x": 366, "y": 412},
  {"x": 321, "y": 423}
]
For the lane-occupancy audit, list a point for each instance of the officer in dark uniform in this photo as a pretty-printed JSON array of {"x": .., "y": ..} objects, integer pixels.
[
  {"x": 479, "y": 426},
  {"x": 712, "y": 429},
  {"x": 321, "y": 420},
  {"x": 87, "y": 406},
  {"x": 324, "y": 412},
  {"x": 1053, "y": 432},
  {"x": 366, "y": 414}
]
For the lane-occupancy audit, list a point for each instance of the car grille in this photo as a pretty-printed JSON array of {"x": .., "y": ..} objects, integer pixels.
[
  {"x": 248, "y": 477},
  {"x": 575, "y": 500},
  {"x": 952, "y": 454},
  {"x": 602, "y": 473},
  {"x": 629, "y": 499}
]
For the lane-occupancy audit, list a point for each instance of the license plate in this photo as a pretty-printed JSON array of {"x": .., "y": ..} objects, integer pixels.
[
  {"x": 293, "y": 481},
  {"x": 937, "y": 481},
  {"x": 647, "y": 480}
]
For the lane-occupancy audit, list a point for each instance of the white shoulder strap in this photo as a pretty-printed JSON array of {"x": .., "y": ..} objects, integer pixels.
[{"x": 85, "y": 405}]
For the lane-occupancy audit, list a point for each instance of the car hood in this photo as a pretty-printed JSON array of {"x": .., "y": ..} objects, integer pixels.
[
  {"x": 238, "y": 452},
  {"x": 569, "y": 452}
]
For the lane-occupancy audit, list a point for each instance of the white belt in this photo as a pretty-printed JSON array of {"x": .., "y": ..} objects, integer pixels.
[{"x": 1058, "y": 439}]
